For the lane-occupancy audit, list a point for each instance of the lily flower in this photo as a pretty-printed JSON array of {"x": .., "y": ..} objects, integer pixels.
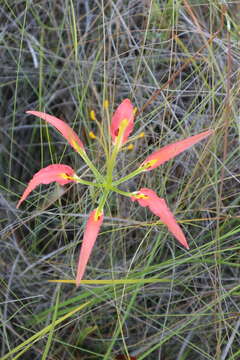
[
  {"x": 67, "y": 132},
  {"x": 62, "y": 174},
  {"x": 120, "y": 129},
  {"x": 168, "y": 152},
  {"x": 158, "y": 206},
  {"x": 90, "y": 235},
  {"x": 123, "y": 117}
]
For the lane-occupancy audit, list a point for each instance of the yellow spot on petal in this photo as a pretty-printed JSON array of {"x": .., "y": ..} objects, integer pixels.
[
  {"x": 119, "y": 133},
  {"x": 92, "y": 115},
  {"x": 106, "y": 104},
  {"x": 141, "y": 196},
  {"x": 92, "y": 135},
  {"x": 65, "y": 176},
  {"x": 148, "y": 164},
  {"x": 123, "y": 125},
  {"x": 97, "y": 214}
]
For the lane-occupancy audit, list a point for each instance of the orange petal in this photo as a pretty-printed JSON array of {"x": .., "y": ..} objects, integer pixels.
[
  {"x": 62, "y": 127},
  {"x": 170, "y": 151},
  {"x": 90, "y": 234},
  {"x": 158, "y": 206},
  {"x": 52, "y": 173},
  {"x": 125, "y": 111}
]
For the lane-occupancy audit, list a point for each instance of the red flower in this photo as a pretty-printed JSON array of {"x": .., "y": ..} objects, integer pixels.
[
  {"x": 62, "y": 127},
  {"x": 147, "y": 197},
  {"x": 121, "y": 127},
  {"x": 90, "y": 234},
  {"x": 51, "y": 173},
  {"x": 124, "y": 113},
  {"x": 170, "y": 151}
]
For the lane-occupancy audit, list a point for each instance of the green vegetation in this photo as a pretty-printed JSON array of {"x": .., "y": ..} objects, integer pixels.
[{"x": 178, "y": 62}]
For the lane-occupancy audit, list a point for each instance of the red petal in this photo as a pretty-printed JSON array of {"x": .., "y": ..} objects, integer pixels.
[
  {"x": 89, "y": 238},
  {"x": 62, "y": 127},
  {"x": 125, "y": 111},
  {"x": 159, "y": 208},
  {"x": 170, "y": 151},
  {"x": 51, "y": 173}
]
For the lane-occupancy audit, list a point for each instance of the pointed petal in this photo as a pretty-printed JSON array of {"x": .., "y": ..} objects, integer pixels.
[
  {"x": 170, "y": 151},
  {"x": 158, "y": 206},
  {"x": 51, "y": 173},
  {"x": 67, "y": 132},
  {"x": 90, "y": 235},
  {"x": 125, "y": 111}
]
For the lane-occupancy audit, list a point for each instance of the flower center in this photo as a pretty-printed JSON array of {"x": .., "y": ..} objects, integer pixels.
[
  {"x": 141, "y": 196},
  {"x": 147, "y": 165}
]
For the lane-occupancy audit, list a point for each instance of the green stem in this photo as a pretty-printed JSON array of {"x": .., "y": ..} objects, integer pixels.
[
  {"x": 129, "y": 176},
  {"x": 104, "y": 185},
  {"x": 116, "y": 149},
  {"x": 111, "y": 165},
  {"x": 113, "y": 188},
  {"x": 85, "y": 182},
  {"x": 91, "y": 166},
  {"x": 103, "y": 200}
]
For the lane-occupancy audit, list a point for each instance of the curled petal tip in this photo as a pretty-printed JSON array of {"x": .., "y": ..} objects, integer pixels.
[
  {"x": 93, "y": 225},
  {"x": 60, "y": 173},
  {"x": 123, "y": 116},
  {"x": 67, "y": 132}
]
